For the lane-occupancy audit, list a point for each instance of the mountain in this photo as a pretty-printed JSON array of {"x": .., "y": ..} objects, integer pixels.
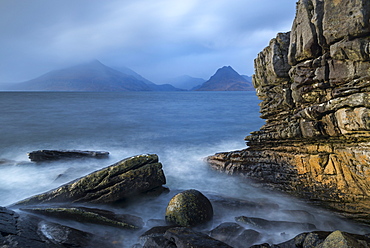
[
  {"x": 248, "y": 78},
  {"x": 186, "y": 82},
  {"x": 226, "y": 79},
  {"x": 92, "y": 76},
  {"x": 152, "y": 86}
]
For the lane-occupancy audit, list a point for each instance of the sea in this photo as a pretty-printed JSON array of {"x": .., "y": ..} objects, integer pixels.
[{"x": 182, "y": 128}]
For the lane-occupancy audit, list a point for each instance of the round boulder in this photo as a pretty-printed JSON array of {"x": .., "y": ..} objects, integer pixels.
[{"x": 189, "y": 208}]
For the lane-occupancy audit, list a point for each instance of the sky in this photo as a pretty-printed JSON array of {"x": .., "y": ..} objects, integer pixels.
[{"x": 159, "y": 39}]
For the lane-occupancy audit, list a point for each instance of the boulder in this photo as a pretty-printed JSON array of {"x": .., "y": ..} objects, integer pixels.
[
  {"x": 51, "y": 155},
  {"x": 345, "y": 240},
  {"x": 124, "y": 179},
  {"x": 189, "y": 208}
]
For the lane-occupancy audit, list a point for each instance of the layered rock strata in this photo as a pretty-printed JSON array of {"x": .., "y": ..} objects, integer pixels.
[
  {"x": 126, "y": 178},
  {"x": 314, "y": 83}
]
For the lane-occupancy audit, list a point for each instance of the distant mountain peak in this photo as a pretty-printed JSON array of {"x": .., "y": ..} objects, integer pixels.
[
  {"x": 90, "y": 76},
  {"x": 226, "y": 79}
]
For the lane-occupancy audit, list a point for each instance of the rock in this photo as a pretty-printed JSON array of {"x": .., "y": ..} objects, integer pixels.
[
  {"x": 181, "y": 237},
  {"x": 90, "y": 215},
  {"x": 157, "y": 231},
  {"x": 345, "y": 240},
  {"x": 323, "y": 240},
  {"x": 69, "y": 237},
  {"x": 20, "y": 230},
  {"x": 50, "y": 155},
  {"x": 226, "y": 232},
  {"x": 189, "y": 208},
  {"x": 265, "y": 245},
  {"x": 159, "y": 242},
  {"x": 124, "y": 179},
  {"x": 269, "y": 224},
  {"x": 235, "y": 235},
  {"x": 313, "y": 239},
  {"x": 250, "y": 206},
  {"x": 314, "y": 84},
  {"x": 7, "y": 221},
  {"x": 186, "y": 238}
]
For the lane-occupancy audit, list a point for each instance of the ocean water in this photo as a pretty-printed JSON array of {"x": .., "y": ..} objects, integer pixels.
[{"x": 181, "y": 127}]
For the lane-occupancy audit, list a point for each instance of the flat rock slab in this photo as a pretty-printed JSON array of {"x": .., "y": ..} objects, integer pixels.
[
  {"x": 90, "y": 215},
  {"x": 126, "y": 178},
  {"x": 23, "y": 230},
  {"x": 51, "y": 155}
]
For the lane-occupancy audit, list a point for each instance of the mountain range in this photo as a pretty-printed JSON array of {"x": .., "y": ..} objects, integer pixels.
[{"x": 95, "y": 76}]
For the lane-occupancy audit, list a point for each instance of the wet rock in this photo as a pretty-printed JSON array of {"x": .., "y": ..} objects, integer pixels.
[
  {"x": 186, "y": 238},
  {"x": 315, "y": 143},
  {"x": 69, "y": 237},
  {"x": 269, "y": 224},
  {"x": 226, "y": 232},
  {"x": 26, "y": 231},
  {"x": 159, "y": 242},
  {"x": 189, "y": 208},
  {"x": 7, "y": 221},
  {"x": 313, "y": 239},
  {"x": 171, "y": 237},
  {"x": 157, "y": 231},
  {"x": 265, "y": 245},
  {"x": 250, "y": 206},
  {"x": 90, "y": 215},
  {"x": 235, "y": 235},
  {"x": 124, "y": 179},
  {"x": 321, "y": 239},
  {"x": 345, "y": 240},
  {"x": 50, "y": 155},
  {"x": 246, "y": 238}
]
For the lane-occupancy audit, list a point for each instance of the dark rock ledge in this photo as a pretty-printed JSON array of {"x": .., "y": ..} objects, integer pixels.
[{"x": 51, "y": 155}]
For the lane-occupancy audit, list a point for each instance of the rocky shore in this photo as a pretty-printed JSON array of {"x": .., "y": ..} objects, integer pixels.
[
  {"x": 314, "y": 84},
  {"x": 94, "y": 211}
]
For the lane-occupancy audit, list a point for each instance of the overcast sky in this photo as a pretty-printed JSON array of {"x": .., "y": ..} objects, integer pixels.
[{"x": 156, "y": 38}]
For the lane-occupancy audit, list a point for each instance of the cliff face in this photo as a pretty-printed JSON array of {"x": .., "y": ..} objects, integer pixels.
[{"x": 314, "y": 83}]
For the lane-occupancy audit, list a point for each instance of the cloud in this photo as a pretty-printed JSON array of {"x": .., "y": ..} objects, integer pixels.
[{"x": 157, "y": 38}]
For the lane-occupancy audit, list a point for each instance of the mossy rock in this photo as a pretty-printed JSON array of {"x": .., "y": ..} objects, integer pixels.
[
  {"x": 189, "y": 208},
  {"x": 126, "y": 178}
]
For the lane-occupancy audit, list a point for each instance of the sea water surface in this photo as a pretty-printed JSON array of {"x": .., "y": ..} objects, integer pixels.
[{"x": 181, "y": 127}]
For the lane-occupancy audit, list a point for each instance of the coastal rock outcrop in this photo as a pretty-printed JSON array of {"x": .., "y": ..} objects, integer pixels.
[
  {"x": 126, "y": 178},
  {"x": 314, "y": 83},
  {"x": 50, "y": 155}
]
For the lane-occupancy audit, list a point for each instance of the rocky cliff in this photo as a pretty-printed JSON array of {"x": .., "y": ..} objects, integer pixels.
[{"x": 314, "y": 83}]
